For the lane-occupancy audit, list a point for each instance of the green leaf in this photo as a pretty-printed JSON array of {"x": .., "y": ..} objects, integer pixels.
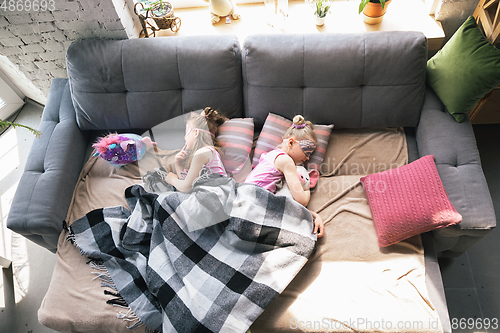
[
  {"x": 363, "y": 4},
  {"x": 5, "y": 123}
]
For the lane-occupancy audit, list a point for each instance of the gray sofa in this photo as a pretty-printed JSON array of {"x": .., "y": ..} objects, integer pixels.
[{"x": 365, "y": 80}]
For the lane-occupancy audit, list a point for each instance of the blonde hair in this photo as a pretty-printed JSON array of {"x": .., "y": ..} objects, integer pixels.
[
  {"x": 301, "y": 130},
  {"x": 209, "y": 120}
]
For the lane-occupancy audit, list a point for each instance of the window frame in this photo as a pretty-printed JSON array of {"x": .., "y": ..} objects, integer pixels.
[
  {"x": 433, "y": 6},
  {"x": 11, "y": 98}
]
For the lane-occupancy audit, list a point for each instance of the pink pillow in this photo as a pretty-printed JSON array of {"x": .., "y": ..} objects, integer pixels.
[
  {"x": 408, "y": 201},
  {"x": 271, "y": 136}
]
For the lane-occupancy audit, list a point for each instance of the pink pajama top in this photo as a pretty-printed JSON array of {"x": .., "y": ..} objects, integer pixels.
[
  {"x": 214, "y": 165},
  {"x": 265, "y": 173}
]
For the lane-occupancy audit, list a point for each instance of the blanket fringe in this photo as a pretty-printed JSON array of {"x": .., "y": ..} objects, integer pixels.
[
  {"x": 116, "y": 301},
  {"x": 150, "y": 330},
  {"x": 107, "y": 281},
  {"x": 71, "y": 238},
  {"x": 97, "y": 265},
  {"x": 130, "y": 316}
]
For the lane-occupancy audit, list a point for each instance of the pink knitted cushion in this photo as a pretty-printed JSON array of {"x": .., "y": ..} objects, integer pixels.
[{"x": 408, "y": 201}]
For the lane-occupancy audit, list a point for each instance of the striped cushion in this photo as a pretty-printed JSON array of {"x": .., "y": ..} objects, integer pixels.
[
  {"x": 271, "y": 136},
  {"x": 408, "y": 201},
  {"x": 322, "y": 135},
  {"x": 236, "y": 138}
]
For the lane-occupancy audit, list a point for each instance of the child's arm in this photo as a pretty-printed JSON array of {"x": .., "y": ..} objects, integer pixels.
[
  {"x": 180, "y": 157},
  {"x": 200, "y": 158},
  {"x": 285, "y": 164}
]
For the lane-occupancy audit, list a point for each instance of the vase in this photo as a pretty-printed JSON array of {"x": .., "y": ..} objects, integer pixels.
[
  {"x": 320, "y": 21},
  {"x": 276, "y": 12},
  {"x": 373, "y": 12}
]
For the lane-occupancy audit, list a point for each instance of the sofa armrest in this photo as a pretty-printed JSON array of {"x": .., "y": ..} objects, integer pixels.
[
  {"x": 54, "y": 163},
  {"x": 457, "y": 158}
]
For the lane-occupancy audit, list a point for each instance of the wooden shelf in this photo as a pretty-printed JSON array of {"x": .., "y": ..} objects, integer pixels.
[{"x": 402, "y": 15}]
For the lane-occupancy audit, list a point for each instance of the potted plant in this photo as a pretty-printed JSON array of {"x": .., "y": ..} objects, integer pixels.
[
  {"x": 321, "y": 8},
  {"x": 373, "y": 10},
  {"x": 162, "y": 13},
  {"x": 156, "y": 5}
]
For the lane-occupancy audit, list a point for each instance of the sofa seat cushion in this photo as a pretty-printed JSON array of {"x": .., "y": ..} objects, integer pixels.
[
  {"x": 408, "y": 201},
  {"x": 67, "y": 312}
]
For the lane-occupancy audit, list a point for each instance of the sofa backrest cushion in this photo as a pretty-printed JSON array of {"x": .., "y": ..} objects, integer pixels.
[
  {"x": 139, "y": 83},
  {"x": 374, "y": 79}
]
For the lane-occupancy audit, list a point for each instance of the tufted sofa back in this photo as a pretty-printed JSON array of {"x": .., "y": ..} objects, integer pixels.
[
  {"x": 139, "y": 83},
  {"x": 350, "y": 80}
]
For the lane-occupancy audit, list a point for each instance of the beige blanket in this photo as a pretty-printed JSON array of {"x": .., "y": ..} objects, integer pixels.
[
  {"x": 350, "y": 284},
  {"x": 75, "y": 300}
]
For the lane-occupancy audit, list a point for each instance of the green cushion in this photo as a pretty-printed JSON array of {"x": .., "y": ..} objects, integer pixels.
[{"x": 464, "y": 70}]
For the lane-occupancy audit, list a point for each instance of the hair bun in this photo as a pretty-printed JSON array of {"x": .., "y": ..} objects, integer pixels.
[
  {"x": 208, "y": 111},
  {"x": 299, "y": 120},
  {"x": 214, "y": 115}
]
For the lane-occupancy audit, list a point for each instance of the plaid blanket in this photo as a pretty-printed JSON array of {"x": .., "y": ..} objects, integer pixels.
[{"x": 207, "y": 261}]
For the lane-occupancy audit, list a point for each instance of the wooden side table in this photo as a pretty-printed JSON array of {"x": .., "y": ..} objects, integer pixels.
[{"x": 402, "y": 15}]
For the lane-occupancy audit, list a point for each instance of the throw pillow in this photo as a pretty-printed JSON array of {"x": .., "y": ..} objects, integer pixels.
[
  {"x": 271, "y": 136},
  {"x": 408, "y": 201},
  {"x": 236, "y": 138},
  {"x": 464, "y": 70}
]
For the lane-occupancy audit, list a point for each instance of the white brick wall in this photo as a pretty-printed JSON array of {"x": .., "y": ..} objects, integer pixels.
[{"x": 36, "y": 41}]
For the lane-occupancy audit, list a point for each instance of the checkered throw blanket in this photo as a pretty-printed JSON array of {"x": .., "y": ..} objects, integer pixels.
[{"x": 207, "y": 261}]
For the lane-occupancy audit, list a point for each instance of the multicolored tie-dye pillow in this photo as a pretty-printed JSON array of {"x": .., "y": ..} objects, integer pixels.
[{"x": 271, "y": 136}]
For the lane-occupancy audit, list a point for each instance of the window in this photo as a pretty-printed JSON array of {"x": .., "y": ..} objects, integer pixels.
[
  {"x": 433, "y": 7},
  {"x": 10, "y": 101}
]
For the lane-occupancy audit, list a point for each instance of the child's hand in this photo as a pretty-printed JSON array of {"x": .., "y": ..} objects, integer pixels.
[
  {"x": 182, "y": 155},
  {"x": 319, "y": 227}
]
